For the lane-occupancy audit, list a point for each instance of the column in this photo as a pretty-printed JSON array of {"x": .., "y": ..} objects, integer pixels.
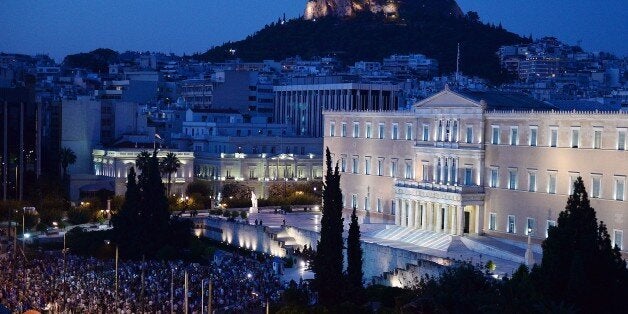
[
  {"x": 460, "y": 221},
  {"x": 397, "y": 212},
  {"x": 423, "y": 215},
  {"x": 438, "y": 211},
  {"x": 417, "y": 215},
  {"x": 428, "y": 216},
  {"x": 446, "y": 219},
  {"x": 442, "y": 171},
  {"x": 435, "y": 176},
  {"x": 479, "y": 218},
  {"x": 410, "y": 207}
]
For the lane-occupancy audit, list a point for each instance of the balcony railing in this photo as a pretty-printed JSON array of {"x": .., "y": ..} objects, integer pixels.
[{"x": 431, "y": 186}]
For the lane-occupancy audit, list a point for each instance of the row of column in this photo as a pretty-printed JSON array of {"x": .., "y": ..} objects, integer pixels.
[
  {"x": 430, "y": 216},
  {"x": 446, "y": 170}
]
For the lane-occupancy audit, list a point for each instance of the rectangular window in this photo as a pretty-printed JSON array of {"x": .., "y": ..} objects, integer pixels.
[
  {"x": 343, "y": 164},
  {"x": 553, "y": 137},
  {"x": 511, "y": 227},
  {"x": 573, "y": 176},
  {"x": 354, "y": 168},
  {"x": 532, "y": 181},
  {"x": 356, "y": 129},
  {"x": 426, "y": 132},
  {"x": 468, "y": 176},
  {"x": 354, "y": 201},
  {"x": 596, "y": 186},
  {"x": 393, "y": 168},
  {"x": 550, "y": 223},
  {"x": 426, "y": 171},
  {"x": 367, "y": 166},
  {"x": 621, "y": 139},
  {"x": 534, "y": 138},
  {"x": 343, "y": 130},
  {"x": 395, "y": 131},
  {"x": 469, "y": 138},
  {"x": 379, "y": 205},
  {"x": 551, "y": 182},
  {"x": 530, "y": 226},
  {"x": 597, "y": 139},
  {"x": 494, "y": 183},
  {"x": 495, "y": 136},
  {"x": 512, "y": 179},
  {"x": 368, "y": 130},
  {"x": 408, "y": 172},
  {"x": 380, "y": 167},
  {"x": 367, "y": 206},
  {"x": 618, "y": 239},
  {"x": 332, "y": 129},
  {"x": 514, "y": 135},
  {"x": 620, "y": 183},
  {"x": 380, "y": 131},
  {"x": 492, "y": 221},
  {"x": 575, "y": 137},
  {"x": 409, "y": 132}
]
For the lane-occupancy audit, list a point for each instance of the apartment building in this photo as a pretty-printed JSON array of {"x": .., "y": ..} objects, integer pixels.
[{"x": 480, "y": 163}]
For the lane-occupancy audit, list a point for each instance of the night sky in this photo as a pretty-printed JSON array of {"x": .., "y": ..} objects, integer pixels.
[{"x": 61, "y": 27}]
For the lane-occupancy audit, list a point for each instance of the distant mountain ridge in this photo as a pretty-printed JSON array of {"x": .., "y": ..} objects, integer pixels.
[{"x": 430, "y": 27}]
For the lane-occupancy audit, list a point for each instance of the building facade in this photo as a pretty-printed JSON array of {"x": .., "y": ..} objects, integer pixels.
[{"x": 460, "y": 163}]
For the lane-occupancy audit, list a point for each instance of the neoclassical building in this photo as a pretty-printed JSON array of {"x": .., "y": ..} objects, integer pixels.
[{"x": 480, "y": 163}]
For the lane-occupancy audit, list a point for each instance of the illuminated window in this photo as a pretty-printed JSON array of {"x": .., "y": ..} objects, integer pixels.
[
  {"x": 495, "y": 135},
  {"x": 395, "y": 131},
  {"x": 332, "y": 129},
  {"x": 354, "y": 201},
  {"x": 532, "y": 181},
  {"x": 573, "y": 176},
  {"x": 356, "y": 129},
  {"x": 533, "y": 135},
  {"x": 343, "y": 130},
  {"x": 620, "y": 183},
  {"x": 368, "y": 130},
  {"x": 354, "y": 165},
  {"x": 343, "y": 164},
  {"x": 597, "y": 138},
  {"x": 426, "y": 132},
  {"x": 492, "y": 221},
  {"x": 469, "y": 138},
  {"x": 367, "y": 205},
  {"x": 512, "y": 179},
  {"x": 514, "y": 135},
  {"x": 596, "y": 186},
  {"x": 380, "y": 167},
  {"x": 553, "y": 137},
  {"x": 618, "y": 239},
  {"x": 409, "y": 131},
  {"x": 551, "y": 183},
  {"x": 379, "y": 205},
  {"x": 530, "y": 226},
  {"x": 426, "y": 171},
  {"x": 468, "y": 176},
  {"x": 393, "y": 168},
  {"x": 550, "y": 223},
  {"x": 621, "y": 139},
  {"x": 494, "y": 182},
  {"x": 511, "y": 226},
  {"x": 367, "y": 166},
  {"x": 408, "y": 172},
  {"x": 380, "y": 131},
  {"x": 575, "y": 137}
]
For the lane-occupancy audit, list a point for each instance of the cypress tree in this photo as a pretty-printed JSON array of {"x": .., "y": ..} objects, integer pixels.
[
  {"x": 126, "y": 223},
  {"x": 579, "y": 266},
  {"x": 154, "y": 208},
  {"x": 328, "y": 263},
  {"x": 354, "y": 256}
]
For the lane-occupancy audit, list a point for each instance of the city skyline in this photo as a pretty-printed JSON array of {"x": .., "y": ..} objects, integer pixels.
[{"x": 191, "y": 27}]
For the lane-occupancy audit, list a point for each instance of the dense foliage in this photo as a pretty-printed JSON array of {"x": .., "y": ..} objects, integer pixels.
[
  {"x": 372, "y": 37},
  {"x": 354, "y": 258},
  {"x": 97, "y": 60}
]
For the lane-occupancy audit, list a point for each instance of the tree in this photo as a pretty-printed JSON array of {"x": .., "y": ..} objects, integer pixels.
[
  {"x": 142, "y": 161},
  {"x": 169, "y": 165},
  {"x": 329, "y": 258},
  {"x": 354, "y": 255},
  {"x": 154, "y": 211},
  {"x": 126, "y": 222},
  {"x": 579, "y": 265},
  {"x": 67, "y": 157}
]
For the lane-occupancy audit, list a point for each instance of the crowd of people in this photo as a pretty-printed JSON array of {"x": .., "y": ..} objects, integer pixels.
[{"x": 239, "y": 284}]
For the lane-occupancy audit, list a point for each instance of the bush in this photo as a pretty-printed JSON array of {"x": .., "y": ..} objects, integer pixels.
[
  {"x": 244, "y": 214},
  {"x": 79, "y": 215}
]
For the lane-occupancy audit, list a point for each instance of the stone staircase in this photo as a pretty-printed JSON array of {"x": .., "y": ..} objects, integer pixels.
[
  {"x": 422, "y": 238},
  {"x": 279, "y": 235},
  {"x": 409, "y": 276}
]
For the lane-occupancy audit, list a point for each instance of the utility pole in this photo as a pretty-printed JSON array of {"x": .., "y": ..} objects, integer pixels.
[
  {"x": 209, "y": 298},
  {"x": 185, "y": 297},
  {"x": 21, "y": 186},
  {"x": 5, "y": 153}
]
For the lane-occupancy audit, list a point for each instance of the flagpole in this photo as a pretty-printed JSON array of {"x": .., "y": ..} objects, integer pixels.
[{"x": 185, "y": 302}]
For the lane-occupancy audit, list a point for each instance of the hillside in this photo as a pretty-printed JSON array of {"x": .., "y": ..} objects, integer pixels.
[{"x": 373, "y": 36}]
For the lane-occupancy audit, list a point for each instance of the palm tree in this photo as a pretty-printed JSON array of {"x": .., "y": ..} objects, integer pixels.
[
  {"x": 67, "y": 157},
  {"x": 169, "y": 165},
  {"x": 142, "y": 161}
]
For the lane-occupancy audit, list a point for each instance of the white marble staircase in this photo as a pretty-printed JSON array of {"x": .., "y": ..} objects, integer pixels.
[{"x": 423, "y": 238}]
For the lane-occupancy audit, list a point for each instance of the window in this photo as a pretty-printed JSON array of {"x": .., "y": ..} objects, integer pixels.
[
  {"x": 597, "y": 138},
  {"x": 618, "y": 239},
  {"x": 469, "y": 138},
  {"x": 596, "y": 186},
  {"x": 494, "y": 182},
  {"x": 393, "y": 168},
  {"x": 408, "y": 172},
  {"x": 454, "y": 133},
  {"x": 512, "y": 179},
  {"x": 532, "y": 181},
  {"x": 575, "y": 137},
  {"x": 534, "y": 131},
  {"x": 573, "y": 176},
  {"x": 332, "y": 129},
  {"x": 468, "y": 176},
  {"x": 409, "y": 132},
  {"x": 354, "y": 201},
  {"x": 510, "y": 227},
  {"x": 530, "y": 226},
  {"x": 553, "y": 137},
  {"x": 514, "y": 135},
  {"x": 380, "y": 167},
  {"x": 354, "y": 165},
  {"x": 343, "y": 164},
  {"x": 551, "y": 183},
  {"x": 492, "y": 221},
  {"x": 620, "y": 182},
  {"x": 380, "y": 131},
  {"x": 395, "y": 131},
  {"x": 550, "y": 223},
  {"x": 356, "y": 129},
  {"x": 367, "y": 206},
  {"x": 621, "y": 139},
  {"x": 367, "y": 166},
  {"x": 495, "y": 137},
  {"x": 426, "y": 171},
  {"x": 368, "y": 130},
  {"x": 426, "y": 132},
  {"x": 379, "y": 205},
  {"x": 393, "y": 207},
  {"x": 343, "y": 130}
]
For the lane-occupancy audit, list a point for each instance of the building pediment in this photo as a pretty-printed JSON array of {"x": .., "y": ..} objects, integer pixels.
[{"x": 448, "y": 99}]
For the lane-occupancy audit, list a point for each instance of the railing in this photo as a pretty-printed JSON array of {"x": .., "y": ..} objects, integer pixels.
[{"x": 431, "y": 186}]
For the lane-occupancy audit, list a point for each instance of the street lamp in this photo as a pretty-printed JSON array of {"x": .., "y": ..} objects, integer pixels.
[{"x": 116, "y": 269}]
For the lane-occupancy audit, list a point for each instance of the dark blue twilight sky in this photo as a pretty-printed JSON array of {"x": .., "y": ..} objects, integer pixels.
[{"x": 60, "y": 27}]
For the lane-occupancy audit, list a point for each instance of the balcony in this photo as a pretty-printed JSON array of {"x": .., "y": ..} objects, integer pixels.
[{"x": 429, "y": 186}]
